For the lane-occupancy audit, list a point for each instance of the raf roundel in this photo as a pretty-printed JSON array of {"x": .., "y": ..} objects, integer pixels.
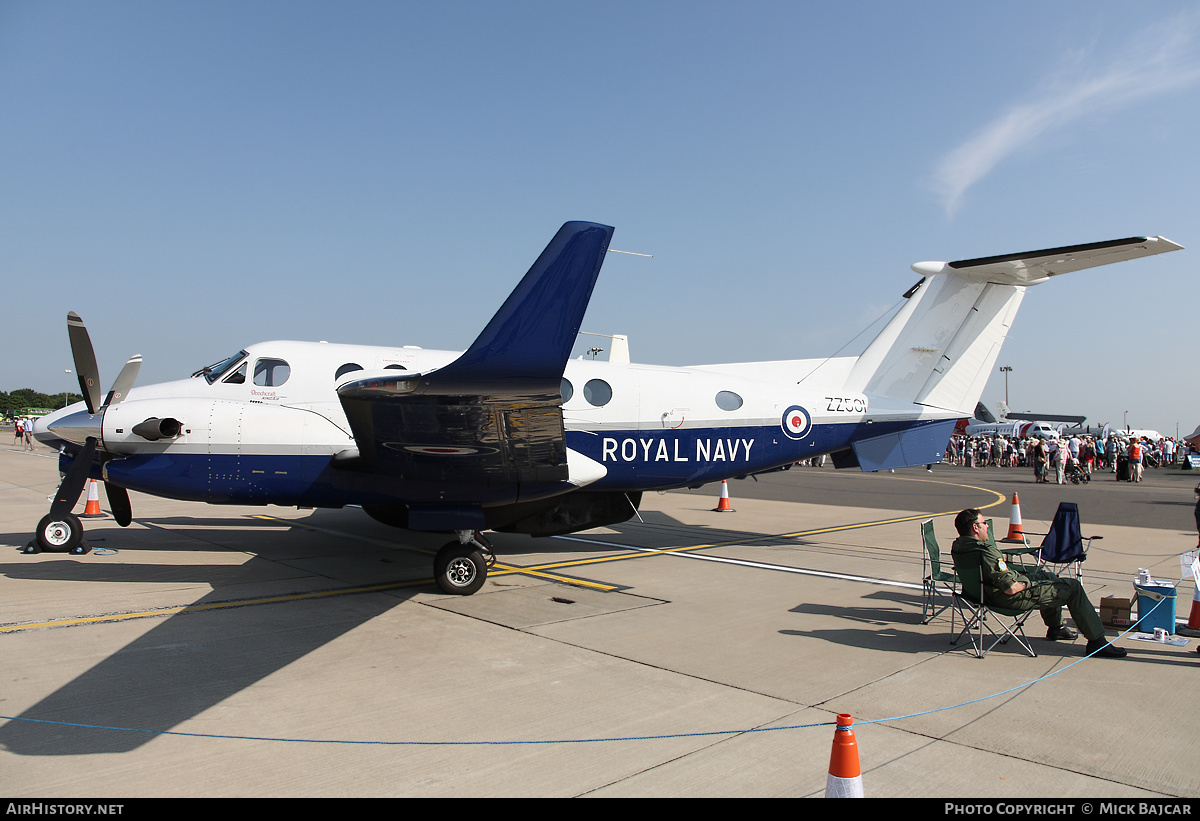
[{"x": 796, "y": 422}]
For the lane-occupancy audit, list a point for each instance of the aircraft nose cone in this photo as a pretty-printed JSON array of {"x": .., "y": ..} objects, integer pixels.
[{"x": 74, "y": 427}]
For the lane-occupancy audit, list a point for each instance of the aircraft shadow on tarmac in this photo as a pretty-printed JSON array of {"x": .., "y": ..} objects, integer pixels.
[
  {"x": 193, "y": 660},
  {"x": 190, "y": 661},
  {"x": 197, "y": 658}
]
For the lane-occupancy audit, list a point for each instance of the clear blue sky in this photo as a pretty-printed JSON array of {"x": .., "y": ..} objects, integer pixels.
[{"x": 194, "y": 177}]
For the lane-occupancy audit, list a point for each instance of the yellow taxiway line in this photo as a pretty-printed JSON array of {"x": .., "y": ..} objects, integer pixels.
[{"x": 537, "y": 571}]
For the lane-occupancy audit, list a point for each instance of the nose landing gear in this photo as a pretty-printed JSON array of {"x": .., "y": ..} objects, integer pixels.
[{"x": 58, "y": 534}]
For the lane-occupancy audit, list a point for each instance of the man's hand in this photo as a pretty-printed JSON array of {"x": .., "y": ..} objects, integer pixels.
[{"x": 1016, "y": 588}]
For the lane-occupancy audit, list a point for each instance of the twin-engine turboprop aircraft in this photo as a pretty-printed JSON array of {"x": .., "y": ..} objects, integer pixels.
[{"x": 512, "y": 436}]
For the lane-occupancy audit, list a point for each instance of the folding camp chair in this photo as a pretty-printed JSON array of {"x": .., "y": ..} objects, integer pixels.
[
  {"x": 1011, "y": 550},
  {"x": 1064, "y": 549},
  {"x": 936, "y": 583},
  {"x": 978, "y": 616}
]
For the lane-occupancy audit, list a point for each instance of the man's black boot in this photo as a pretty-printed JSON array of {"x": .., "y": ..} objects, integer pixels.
[
  {"x": 1101, "y": 648},
  {"x": 1061, "y": 633}
]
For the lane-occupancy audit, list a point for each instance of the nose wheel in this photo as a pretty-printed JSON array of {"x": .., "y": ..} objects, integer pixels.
[
  {"x": 460, "y": 567},
  {"x": 58, "y": 534},
  {"x": 60, "y": 531}
]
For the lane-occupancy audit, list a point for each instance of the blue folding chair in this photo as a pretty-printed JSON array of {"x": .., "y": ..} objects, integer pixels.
[{"x": 1064, "y": 548}]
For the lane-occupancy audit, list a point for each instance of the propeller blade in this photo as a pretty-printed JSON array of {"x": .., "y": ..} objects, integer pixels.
[
  {"x": 118, "y": 503},
  {"x": 73, "y": 482},
  {"x": 120, "y": 388},
  {"x": 85, "y": 361}
]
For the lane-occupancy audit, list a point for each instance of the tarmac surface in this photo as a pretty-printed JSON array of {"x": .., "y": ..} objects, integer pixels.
[{"x": 260, "y": 651}]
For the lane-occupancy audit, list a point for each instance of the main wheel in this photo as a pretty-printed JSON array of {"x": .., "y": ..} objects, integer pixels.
[
  {"x": 59, "y": 534},
  {"x": 459, "y": 569}
]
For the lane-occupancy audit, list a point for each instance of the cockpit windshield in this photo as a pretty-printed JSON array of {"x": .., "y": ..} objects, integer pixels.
[{"x": 213, "y": 372}]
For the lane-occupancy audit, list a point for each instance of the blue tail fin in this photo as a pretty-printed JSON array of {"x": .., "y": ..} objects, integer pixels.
[{"x": 529, "y": 339}]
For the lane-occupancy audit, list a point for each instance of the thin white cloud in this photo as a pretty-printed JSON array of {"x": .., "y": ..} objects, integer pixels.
[{"x": 1163, "y": 58}]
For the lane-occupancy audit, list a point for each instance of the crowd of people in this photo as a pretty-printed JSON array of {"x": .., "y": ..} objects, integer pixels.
[{"x": 1055, "y": 459}]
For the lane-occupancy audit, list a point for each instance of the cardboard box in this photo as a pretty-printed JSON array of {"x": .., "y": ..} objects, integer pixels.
[{"x": 1116, "y": 612}]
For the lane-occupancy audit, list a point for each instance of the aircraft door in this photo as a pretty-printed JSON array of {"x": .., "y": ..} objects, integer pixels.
[
  {"x": 226, "y": 479},
  {"x": 665, "y": 445}
]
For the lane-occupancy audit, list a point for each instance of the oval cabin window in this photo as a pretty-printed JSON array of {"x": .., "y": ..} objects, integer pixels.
[
  {"x": 728, "y": 401},
  {"x": 597, "y": 392}
]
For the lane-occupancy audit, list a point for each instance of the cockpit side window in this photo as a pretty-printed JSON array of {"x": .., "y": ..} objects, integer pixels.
[
  {"x": 238, "y": 377},
  {"x": 214, "y": 372},
  {"x": 271, "y": 373}
]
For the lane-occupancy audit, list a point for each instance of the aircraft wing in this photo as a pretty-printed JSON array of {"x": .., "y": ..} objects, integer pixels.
[
  {"x": 1032, "y": 267},
  {"x": 488, "y": 427}
]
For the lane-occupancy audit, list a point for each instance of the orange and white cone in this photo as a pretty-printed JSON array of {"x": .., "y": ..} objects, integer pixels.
[
  {"x": 1015, "y": 533},
  {"x": 1194, "y": 618},
  {"x": 92, "y": 511},
  {"x": 845, "y": 776},
  {"x": 723, "y": 505}
]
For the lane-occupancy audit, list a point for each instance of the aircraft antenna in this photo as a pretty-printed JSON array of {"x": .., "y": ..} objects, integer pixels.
[
  {"x": 847, "y": 344},
  {"x": 631, "y": 253}
]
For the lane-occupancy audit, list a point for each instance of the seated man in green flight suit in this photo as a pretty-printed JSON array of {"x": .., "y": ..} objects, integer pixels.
[{"x": 1028, "y": 589}]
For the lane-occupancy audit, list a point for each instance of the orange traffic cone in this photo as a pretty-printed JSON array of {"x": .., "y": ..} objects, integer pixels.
[
  {"x": 1015, "y": 533},
  {"x": 92, "y": 511},
  {"x": 845, "y": 776},
  {"x": 723, "y": 505},
  {"x": 1194, "y": 618}
]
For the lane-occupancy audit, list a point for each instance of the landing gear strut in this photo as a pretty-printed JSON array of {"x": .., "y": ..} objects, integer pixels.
[
  {"x": 461, "y": 566},
  {"x": 61, "y": 531}
]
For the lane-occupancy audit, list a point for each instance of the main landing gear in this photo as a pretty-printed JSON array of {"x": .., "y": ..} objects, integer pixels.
[{"x": 461, "y": 566}]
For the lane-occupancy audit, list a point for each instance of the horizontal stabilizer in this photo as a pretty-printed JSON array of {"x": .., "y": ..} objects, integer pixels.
[
  {"x": 1032, "y": 267},
  {"x": 939, "y": 349}
]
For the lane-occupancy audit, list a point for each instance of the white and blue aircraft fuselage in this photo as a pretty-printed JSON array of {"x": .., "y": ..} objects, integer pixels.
[
  {"x": 1018, "y": 429},
  {"x": 511, "y": 435}
]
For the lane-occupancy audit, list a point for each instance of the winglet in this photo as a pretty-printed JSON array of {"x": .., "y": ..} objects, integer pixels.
[
  {"x": 491, "y": 420},
  {"x": 530, "y": 337}
]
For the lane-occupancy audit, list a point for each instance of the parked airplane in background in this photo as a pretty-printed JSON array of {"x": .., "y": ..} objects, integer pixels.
[
  {"x": 984, "y": 424},
  {"x": 512, "y": 436},
  {"x": 1138, "y": 433},
  {"x": 1104, "y": 431},
  {"x": 1015, "y": 428}
]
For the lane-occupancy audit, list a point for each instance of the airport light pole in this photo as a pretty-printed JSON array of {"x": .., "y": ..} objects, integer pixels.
[
  {"x": 1006, "y": 370},
  {"x": 66, "y": 393}
]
